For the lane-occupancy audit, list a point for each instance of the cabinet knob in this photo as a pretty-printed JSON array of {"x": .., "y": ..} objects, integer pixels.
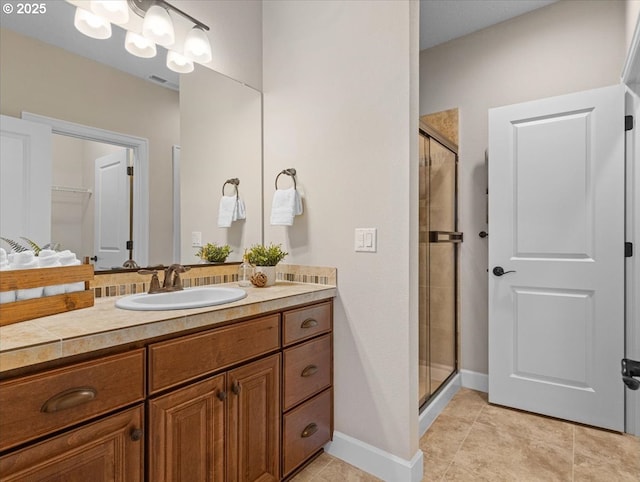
[
  {"x": 222, "y": 395},
  {"x": 235, "y": 387},
  {"x": 309, "y": 323},
  {"x": 309, "y": 430},
  {"x": 136, "y": 434}
]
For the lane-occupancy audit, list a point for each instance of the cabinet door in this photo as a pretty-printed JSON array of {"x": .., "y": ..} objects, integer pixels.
[
  {"x": 254, "y": 421},
  {"x": 186, "y": 433},
  {"x": 108, "y": 450}
]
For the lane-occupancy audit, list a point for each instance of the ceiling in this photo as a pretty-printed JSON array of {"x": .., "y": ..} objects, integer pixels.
[
  {"x": 440, "y": 21},
  {"x": 444, "y": 20}
]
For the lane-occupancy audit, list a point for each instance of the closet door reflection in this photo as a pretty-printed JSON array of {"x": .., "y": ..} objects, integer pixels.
[{"x": 438, "y": 261}]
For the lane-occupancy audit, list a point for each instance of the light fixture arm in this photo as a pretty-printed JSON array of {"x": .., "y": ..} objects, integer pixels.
[{"x": 140, "y": 7}]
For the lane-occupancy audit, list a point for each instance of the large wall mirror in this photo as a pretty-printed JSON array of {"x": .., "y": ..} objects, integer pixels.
[{"x": 201, "y": 129}]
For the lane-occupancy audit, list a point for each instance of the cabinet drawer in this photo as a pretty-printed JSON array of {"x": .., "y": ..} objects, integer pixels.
[
  {"x": 36, "y": 405},
  {"x": 306, "y": 429},
  {"x": 306, "y": 322},
  {"x": 177, "y": 361},
  {"x": 307, "y": 370}
]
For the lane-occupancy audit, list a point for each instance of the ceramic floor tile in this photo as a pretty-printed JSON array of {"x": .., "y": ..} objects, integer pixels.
[
  {"x": 433, "y": 468},
  {"x": 603, "y": 455},
  {"x": 455, "y": 473},
  {"x": 528, "y": 425},
  {"x": 342, "y": 471},
  {"x": 488, "y": 450},
  {"x": 466, "y": 405},
  {"x": 444, "y": 437}
]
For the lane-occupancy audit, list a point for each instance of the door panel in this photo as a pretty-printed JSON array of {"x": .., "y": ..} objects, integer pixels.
[
  {"x": 111, "y": 210},
  {"x": 25, "y": 180},
  {"x": 556, "y": 322}
]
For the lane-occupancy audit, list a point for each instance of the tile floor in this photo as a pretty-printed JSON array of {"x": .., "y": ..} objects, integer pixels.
[{"x": 472, "y": 440}]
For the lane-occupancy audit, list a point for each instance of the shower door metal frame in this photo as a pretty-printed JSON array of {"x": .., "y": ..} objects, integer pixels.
[{"x": 431, "y": 133}]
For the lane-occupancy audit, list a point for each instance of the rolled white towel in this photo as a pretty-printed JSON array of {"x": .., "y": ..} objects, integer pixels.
[
  {"x": 48, "y": 258},
  {"x": 287, "y": 204},
  {"x": 5, "y": 296},
  {"x": 26, "y": 260},
  {"x": 67, "y": 258}
]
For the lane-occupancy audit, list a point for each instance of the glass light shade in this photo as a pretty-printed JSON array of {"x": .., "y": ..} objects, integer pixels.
[
  {"x": 139, "y": 46},
  {"x": 179, "y": 63},
  {"x": 197, "y": 46},
  {"x": 115, "y": 11},
  {"x": 158, "y": 27},
  {"x": 91, "y": 24}
]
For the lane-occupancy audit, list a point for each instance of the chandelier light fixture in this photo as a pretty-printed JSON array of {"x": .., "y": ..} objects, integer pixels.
[{"x": 157, "y": 28}]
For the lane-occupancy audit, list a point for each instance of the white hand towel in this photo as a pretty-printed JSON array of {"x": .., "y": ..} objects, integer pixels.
[
  {"x": 48, "y": 258},
  {"x": 241, "y": 212},
  {"x": 226, "y": 211},
  {"x": 287, "y": 204}
]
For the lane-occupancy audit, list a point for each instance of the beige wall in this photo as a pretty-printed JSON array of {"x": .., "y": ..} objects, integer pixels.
[
  {"x": 38, "y": 78},
  {"x": 340, "y": 106},
  {"x": 222, "y": 139},
  {"x": 565, "y": 47}
]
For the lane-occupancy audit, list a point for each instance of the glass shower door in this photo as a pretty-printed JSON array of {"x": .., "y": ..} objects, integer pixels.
[{"x": 438, "y": 260}]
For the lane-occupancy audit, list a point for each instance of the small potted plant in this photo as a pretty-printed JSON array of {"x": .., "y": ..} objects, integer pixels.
[
  {"x": 265, "y": 259},
  {"x": 213, "y": 253}
]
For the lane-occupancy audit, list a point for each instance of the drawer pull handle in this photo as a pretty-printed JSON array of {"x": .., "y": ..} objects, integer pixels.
[
  {"x": 235, "y": 387},
  {"x": 136, "y": 434},
  {"x": 309, "y": 370},
  {"x": 309, "y": 430},
  {"x": 309, "y": 323},
  {"x": 68, "y": 399}
]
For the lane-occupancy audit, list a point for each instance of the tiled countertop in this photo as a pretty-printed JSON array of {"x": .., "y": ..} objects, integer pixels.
[{"x": 104, "y": 326}]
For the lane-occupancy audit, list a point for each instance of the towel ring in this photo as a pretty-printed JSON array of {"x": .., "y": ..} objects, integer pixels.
[
  {"x": 289, "y": 172},
  {"x": 234, "y": 181}
]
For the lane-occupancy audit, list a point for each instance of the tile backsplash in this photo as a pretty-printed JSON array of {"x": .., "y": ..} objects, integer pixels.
[{"x": 120, "y": 284}]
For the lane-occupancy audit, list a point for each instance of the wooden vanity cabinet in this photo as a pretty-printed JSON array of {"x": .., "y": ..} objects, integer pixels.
[
  {"x": 307, "y": 418},
  {"x": 226, "y": 427},
  {"x": 250, "y": 401}
]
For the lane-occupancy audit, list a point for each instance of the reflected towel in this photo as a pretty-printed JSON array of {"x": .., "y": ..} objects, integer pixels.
[
  {"x": 231, "y": 209},
  {"x": 287, "y": 204},
  {"x": 226, "y": 211}
]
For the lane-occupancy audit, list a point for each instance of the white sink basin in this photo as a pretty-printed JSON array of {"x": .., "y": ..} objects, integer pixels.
[{"x": 180, "y": 300}]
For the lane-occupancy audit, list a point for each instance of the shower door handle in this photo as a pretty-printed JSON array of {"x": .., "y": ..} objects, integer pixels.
[{"x": 445, "y": 237}]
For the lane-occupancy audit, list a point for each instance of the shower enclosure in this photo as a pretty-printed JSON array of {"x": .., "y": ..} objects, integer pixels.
[{"x": 438, "y": 261}]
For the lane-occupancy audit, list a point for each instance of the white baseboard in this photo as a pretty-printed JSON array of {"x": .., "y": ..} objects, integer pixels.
[
  {"x": 375, "y": 461},
  {"x": 475, "y": 380},
  {"x": 436, "y": 405}
]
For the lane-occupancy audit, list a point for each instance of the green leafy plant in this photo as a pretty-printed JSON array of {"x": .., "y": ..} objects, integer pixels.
[
  {"x": 214, "y": 253},
  {"x": 31, "y": 245},
  {"x": 261, "y": 255}
]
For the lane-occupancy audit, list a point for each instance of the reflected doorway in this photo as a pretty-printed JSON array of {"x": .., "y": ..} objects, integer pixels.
[
  {"x": 91, "y": 200},
  {"x": 438, "y": 256}
]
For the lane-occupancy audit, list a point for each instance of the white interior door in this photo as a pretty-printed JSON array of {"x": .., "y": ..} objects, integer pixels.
[
  {"x": 556, "y": 214},
  {"x": 25, "y": 180},
  {"x": 111, "y": 210}
]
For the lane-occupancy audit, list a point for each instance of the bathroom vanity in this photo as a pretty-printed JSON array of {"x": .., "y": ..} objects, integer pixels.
[{"x": 236, "y": 392}]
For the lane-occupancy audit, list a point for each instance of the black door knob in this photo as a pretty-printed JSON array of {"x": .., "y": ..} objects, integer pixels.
[
  {"x": 499, "y": 271},
  {"x": 94, "y": 258}
]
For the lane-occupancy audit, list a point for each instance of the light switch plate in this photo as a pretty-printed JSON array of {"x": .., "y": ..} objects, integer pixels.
[
  {"x": 366, "y": 240},
  {"x": 196, "y": 239}
]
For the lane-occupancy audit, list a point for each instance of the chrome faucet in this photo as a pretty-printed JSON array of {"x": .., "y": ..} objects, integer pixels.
[{"x": 172, "y": 281}]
